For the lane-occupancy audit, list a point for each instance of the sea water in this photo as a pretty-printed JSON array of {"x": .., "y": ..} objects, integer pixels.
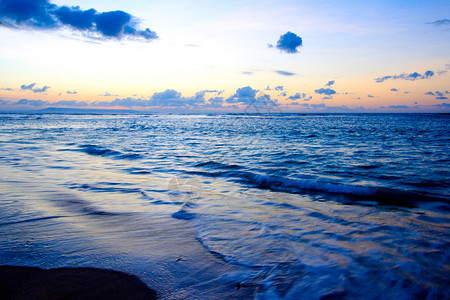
[{"x": 235, "y": 205}]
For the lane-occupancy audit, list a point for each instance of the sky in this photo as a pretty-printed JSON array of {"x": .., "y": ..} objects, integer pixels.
[{"x": 222, "y": 56}]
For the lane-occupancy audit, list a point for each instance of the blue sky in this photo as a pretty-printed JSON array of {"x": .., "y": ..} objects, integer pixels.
[{"x": 381, "y": 56}]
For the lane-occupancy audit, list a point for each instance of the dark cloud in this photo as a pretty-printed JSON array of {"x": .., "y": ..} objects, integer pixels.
[
  {"x": 27, "y": 13},
  {"x": 325, "y": 91},
  {"x": 282, "y": 94},
  {"x": 441, "y": 98},
  {"x": 41, "y": 14},
  {"x": 285, "y": 73},
  {"x": 394, "y": 90},
  {"x": 443, "y": 22},
  {"x": 411, "y": 77},
  {"x": 112, "y": 23},
  {"x": 243, "y": 95},
  {"x": 330, "y": 83},
  {"x": 279, "y": 88},
  {"x": 289, "y": 42},
  {"x": 370, "y": 96},
  {"x": 75, "y": 17},
  {"x": 72, "y": 92}
]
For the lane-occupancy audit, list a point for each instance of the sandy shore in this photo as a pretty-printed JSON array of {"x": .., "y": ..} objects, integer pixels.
[{"x": 70, "y": 283}]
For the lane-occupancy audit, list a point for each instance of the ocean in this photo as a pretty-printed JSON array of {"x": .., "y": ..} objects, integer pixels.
[{"x": 221, "y": 206}]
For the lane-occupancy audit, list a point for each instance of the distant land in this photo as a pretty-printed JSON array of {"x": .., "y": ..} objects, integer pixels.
[{"x": 59, "y": 110}]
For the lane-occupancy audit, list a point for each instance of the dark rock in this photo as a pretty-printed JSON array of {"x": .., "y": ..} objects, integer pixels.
[{"x": 70, "y": 283}]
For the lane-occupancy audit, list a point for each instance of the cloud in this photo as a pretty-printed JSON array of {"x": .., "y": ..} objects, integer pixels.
[
  {"x": 289, "y": 42},
  {"x": 247, "y": 73},
  {"x": 107, "y": 94},
  {"x": 27, "y": 87},
  {"x": 168, "y": 97},
  {"x": 370, "y": 96},
  {"x": 394, "y": 90},
  {"x": 124, "y": 102},
  {"x": 243, "y": 95},
  {"x": 165, "y": 99},
  {"x": 318, "y": 105},
  {"x": 439, "y": 95},
  {"x": 214, "y": 102},
  {"x": 72, "y": 92},
  {"x": 112, "y": 23},
  {"x": 41, "y": 14},
  {"x": 325, "y": 91},
  {"x": 279, "y": 88},
  {"x": 31, "y": 102},
  {"x": 285, "y": 73},
  {"x": 398, "y": 106},
  {"x": 41, "y": 90},
  {"x": 330, "y": 83},
  {"x": 29, "y": 13},
  {"x": 442, "y": 22},
  {"x": 297, "y": 96},
  {"x": 404, "y": 76},
  {"x": 76, "y": 18},
  {"x": 31, "y": 87},
  {"x": 71, "y": 103}
]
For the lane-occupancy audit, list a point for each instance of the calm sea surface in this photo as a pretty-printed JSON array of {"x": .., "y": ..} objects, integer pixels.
[{"x": 222, "y": 206}]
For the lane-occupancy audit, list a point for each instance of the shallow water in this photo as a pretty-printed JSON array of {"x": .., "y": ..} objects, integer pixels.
[{"x": 278, "y": 206}]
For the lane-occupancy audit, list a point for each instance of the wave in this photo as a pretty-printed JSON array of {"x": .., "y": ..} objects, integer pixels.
[
  {"x": 217, "y": 165},
  {"x": 381, "y": 195},
  {"x": 106, "y": 152}
]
